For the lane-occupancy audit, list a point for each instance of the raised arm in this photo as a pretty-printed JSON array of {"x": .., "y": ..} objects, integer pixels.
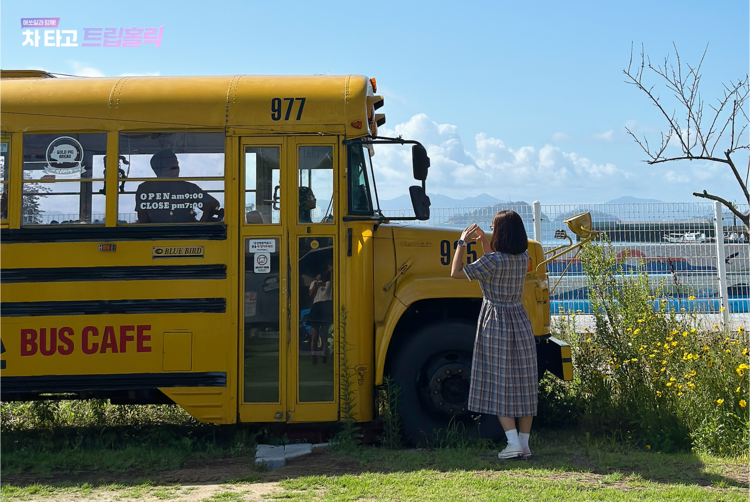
[
  {"x": 482, "y": 238},
  {"x": 457, "y": 267}
]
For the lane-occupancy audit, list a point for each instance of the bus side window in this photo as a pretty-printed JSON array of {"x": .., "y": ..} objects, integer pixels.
[
  {"x": 63, "y": 178},
  {"x": 4, "y": 168},
  {"x": 315, "y": 193},
  {"x": 171, "y": 177}
]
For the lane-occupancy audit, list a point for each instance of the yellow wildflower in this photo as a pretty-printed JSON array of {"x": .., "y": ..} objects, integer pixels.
[
  {"x": 744, "y": 352},
  {"x": 716, "y": 326},
  {"x": 672, "y": 379},
  {"x": 652, "y": 355},
  {"x": 662, "y": 370},
  {"x": 679, "y": 394},
  {"x": 692, "y": 373},
  {"x": 634, "y": 360},
  {"x": 640, "y": 320},
  {"x": 742, "y": 403},
  {"x": 742, "y": 367},
  {"x": 727, "y": 351},
  {"x": 588, "y": 340},
  {"x": 674, "y": 332},
  {"x": 637, "y": 330},
  {"x": 674, "y": 344},
  {"x": 705, "y": 349},
  {"x": 684, "y": 333},
  {"x": 691, "y": 385},
  {"x": 738, "y": 389},
  {"x": 658, "y": 393},
  {"x": 691, "y": 298},
  {"x": 710, "y": 363},
  {"x": 692, "y": 330},
  {"x": 648, "y": 446},
  {"x": 722, "y": 309},
  {"x": 740, "y": 330},
  {"x": 719, "y": 401},
  {"x": 664, "y": 361},
  {"x": 669, "y": 384}
]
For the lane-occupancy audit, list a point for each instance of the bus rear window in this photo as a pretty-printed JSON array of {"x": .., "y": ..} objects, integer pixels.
[{"x": 171, "y": 177}]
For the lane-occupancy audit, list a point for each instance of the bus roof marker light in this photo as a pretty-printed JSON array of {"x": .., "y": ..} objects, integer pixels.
[
  {"x": 357, "y": 124},
  {"x": 374, "y": 84}
]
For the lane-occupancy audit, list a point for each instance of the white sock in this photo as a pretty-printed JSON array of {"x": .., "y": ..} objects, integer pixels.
[
  {"x": 512, "y": 436},
  {"x": 523, "y": 438}
]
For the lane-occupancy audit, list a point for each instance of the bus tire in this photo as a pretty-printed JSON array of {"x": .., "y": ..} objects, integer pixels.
[{"x": 432, "y": 370}]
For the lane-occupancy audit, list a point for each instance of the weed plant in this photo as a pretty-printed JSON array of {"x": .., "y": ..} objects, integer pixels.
[
  {"x": 388, "y": 396},
  {"x": 348, "y": 438},
  {"x": 650, "y": 375}
]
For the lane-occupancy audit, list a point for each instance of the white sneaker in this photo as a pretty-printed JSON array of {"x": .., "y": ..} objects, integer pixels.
[
  {"x": 526, "y": 453},
  {"x": 511, "y": 452}
]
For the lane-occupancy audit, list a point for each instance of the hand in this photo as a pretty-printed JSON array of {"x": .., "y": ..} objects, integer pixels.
[{"x": 470, "y": 233}]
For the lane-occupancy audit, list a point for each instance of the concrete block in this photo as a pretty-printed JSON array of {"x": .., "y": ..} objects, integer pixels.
[
  {"x": 320, "y": 445},
  {"x": 297, "y": 450},
  {"x": 268, "y": 451}
]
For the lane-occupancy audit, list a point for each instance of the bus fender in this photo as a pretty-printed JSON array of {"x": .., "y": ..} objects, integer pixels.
[{"x": 409, "y": 291}]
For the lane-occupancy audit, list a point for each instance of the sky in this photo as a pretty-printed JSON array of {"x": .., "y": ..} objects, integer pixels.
[{"x": 518, "y": 100}]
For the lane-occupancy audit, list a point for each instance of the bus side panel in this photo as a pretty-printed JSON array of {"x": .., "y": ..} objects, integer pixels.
[
  {"x": 94, "y": 323},
  {"x": 358, "y": 301}
]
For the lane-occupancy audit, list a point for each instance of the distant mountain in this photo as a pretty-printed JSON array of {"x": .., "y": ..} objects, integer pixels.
[
  {"x": 438, "y": 201},
  {"x": 629, "y": 198}
]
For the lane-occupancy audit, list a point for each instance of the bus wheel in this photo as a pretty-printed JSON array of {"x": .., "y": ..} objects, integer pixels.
[{"x": 433, "y": 371}]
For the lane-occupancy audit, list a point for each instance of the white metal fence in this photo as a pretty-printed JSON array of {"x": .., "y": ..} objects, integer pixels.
[{"x": 676, "y": 244}]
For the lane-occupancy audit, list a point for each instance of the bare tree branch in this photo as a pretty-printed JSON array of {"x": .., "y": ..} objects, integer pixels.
[
  {"x": 727, "y": 126},
  {"x": 744, "y": 217}
]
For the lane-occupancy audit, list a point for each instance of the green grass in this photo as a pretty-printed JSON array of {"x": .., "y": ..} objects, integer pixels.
[
  {"x": 429, "y": 485},
  {"x": 565, "y": 466}
]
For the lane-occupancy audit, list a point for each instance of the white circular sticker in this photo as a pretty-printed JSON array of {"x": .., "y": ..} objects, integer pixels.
[{"x": 64, "y": 157}]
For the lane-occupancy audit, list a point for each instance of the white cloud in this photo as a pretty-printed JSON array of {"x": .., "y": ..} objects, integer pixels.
[
  {"x": 527, "y": 172},
  {"x": 560, "y": 137},
  {"x": 82, "y": 70},
  {"x": 674, "y": 177},
  {"x": 606, "y": 136}
]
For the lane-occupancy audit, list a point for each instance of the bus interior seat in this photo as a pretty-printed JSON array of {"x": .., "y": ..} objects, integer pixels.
[{"x": 254, "y": 217}]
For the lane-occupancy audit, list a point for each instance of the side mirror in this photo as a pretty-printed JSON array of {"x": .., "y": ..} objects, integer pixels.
[
  {"x": 580, "y": 225},
  {"x": 420, "y": 202},
  {"x": 420, "y": 162}
]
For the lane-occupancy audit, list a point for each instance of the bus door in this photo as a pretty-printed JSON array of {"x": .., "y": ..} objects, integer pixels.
[{"x": 289, "y": 282}]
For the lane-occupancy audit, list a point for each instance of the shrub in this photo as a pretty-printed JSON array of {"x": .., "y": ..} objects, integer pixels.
[{"x": 651, "y": 375}]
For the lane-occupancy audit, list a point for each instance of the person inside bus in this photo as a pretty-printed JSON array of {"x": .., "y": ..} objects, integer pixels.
[
  {"x": 172, "y": 201},
  {"x": 321, "y": 313},
  {"x": 307, "y": 202}
]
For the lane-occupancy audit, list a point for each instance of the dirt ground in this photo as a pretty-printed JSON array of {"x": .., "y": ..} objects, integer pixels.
[{"x": 197, "y": 480}]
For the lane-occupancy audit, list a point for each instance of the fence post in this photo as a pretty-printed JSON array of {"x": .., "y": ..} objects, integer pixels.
[
  {"x": 720, "y": 255},
  {"x": 538, "y": 221}
]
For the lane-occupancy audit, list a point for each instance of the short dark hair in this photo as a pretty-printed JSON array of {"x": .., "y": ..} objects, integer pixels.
[
  {"x": 508, "y": 234},
  {"x": 162, "y": 159}
]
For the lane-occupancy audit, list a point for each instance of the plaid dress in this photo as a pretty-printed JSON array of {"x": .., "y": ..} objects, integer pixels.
[{"x": 504, "y": 369}]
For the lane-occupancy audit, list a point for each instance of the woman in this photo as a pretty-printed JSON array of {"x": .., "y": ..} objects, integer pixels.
[
  {"x": 504, "y": 368},
  {"x": 321, "y": 313}
]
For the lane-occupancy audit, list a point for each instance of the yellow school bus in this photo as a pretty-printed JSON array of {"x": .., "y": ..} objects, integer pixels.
[{"x": 214, "y": 242}]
